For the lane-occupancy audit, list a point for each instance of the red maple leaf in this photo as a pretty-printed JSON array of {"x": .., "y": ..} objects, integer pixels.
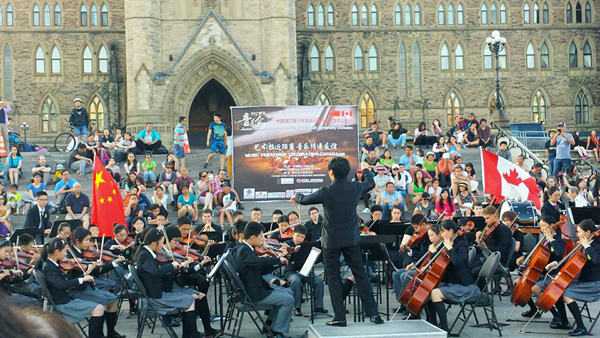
[{"x": 512, "y": 177}]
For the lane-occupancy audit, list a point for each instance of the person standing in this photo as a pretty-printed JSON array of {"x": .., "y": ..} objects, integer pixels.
[
  {"x": 216, "y": 139},
  {"x": 178, "y": 141},
  {"x": 79, "y": 119},
  {"x": 4, "y": 110},
  {"x": 563, "y": 142},
  {"x": 341, "y": 236}
]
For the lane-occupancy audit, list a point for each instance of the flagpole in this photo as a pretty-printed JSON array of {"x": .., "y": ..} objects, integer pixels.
[{"x": 482, "y": 170}]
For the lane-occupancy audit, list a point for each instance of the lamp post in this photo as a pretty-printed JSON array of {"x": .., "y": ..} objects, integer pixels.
[
  {"x": 496, "y": 45},
  {"x": 24, "y": 127}
]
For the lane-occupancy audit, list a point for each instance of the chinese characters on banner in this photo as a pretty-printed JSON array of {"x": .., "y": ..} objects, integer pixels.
[{"x": 278, "y": 151}]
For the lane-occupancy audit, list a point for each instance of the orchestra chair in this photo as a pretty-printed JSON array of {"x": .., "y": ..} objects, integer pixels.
[
  {"x": 484, "y": 300},
  {"x": 39, "y": 278},
  {"x": 126, "y": 289},
  {"x": 503, "y": 273},
  {"x": 528, "y": 244},
  {"x": 585, "y": 313},
  {"x": 239, "y": 303},
  {"x": 471, "y": 256},
  {"x": 147, "y": 315}
]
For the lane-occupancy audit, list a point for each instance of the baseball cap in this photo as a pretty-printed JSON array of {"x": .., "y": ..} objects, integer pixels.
[
  {"x": 429, "y": 153},
  {"x": 77, "y": 99},
  {"x": 562, "y": 124}
]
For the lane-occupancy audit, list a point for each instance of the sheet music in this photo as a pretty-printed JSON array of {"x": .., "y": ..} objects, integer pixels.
[{"x": 310, "y": 261}]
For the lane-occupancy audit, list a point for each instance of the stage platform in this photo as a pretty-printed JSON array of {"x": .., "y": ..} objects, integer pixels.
[{"x": 400, "y": 328}]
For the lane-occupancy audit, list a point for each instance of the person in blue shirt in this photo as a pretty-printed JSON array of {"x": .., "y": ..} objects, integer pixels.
[
  {"x": 409, "y": 159},
  {"x": 178, "y": 141},
  {"x": 563, "y": 142},
  {"x": 63, "y": 187},
  {"x": 216, "y": 139},
  {"x": 389, "y": 199},
  {"x": 148, "y": 139}
]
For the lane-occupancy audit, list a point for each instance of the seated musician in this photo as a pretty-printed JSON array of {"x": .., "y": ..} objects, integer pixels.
[
  {"x": 164, "y": 294},
  {"x": 251, "y": 268},
  {"x": 556, "y": 246},
  {"x": 314, "y": 226},
  {"x": 552, "y": 207},
  {"x": 185, "y": 227},
  {"x": 411, "y": 255},
  {"x": 12, "y": 280},
  {"x": 101, "y": 292},
  {"x": 237, "y": 216},
  {"x": 477, "y": 209},
  {"x": 458, "y": 284},
  {"x": 207, "y": 223},
  {"x": 284, "y": 232},
  {"x": 586, "y": 288},
  {"x": 510, "y": 219},
  {"x": 74, "y": 309},
  {"x": 237, "y": 234},
  {"x": 374, "y": 222},
  {"x": 64, "y": 231},
  {"x": 296, "y": 261},
  {"x": 500, "y": 238},
  {"x": 192, "y": 276},
  {"x": 118, "y": 247}
]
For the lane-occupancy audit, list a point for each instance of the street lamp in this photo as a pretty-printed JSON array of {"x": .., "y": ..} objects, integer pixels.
[{"x": 496, "y": 45}]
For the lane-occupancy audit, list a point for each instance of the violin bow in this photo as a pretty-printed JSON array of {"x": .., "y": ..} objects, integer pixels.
[
  {"x": 168, "y": 244},
  {"x": 298, "y": 210},
  {"x": 77, "y": 261},
  {"x": 189, "y": 243},
  {"x": 101, "y": 248},
  {"x": 16, "y": 255}
]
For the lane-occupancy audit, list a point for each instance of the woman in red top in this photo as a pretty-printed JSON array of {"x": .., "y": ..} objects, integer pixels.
[
  {"x": 445, "y": 205},
  {"x": 594, "y": 143}
]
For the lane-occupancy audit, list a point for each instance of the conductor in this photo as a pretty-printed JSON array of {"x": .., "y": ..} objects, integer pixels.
[{"x": 341, "y": 236}]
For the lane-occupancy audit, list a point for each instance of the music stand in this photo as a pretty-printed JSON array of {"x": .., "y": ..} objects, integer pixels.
[
  {"x": 73, "y": 224},
  {"x": 33, "y": 232},
  {"x": 576, "y": 215},
  {"x": 216, "y": 250},
  {"x": 216, "y": 236}
]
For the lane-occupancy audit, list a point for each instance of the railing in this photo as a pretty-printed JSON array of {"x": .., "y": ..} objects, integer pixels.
[
  {"x": 531, "y": 139},
  {"x": 513, "y": 142}
]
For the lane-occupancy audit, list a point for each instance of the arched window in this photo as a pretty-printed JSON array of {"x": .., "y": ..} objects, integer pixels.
[
  {"x": 311, "y": 15},
  {"x": 450, "y": 14},
  {"x": 484, "y": 19},
  {"x": 364, "y": 15},
  {"x": 96, "y": 114},
  {"x": 582, "y": 114},
  {"x": 94, "y": 15},
  {"x": 358, "y": 58},
  {"x": 493, "y": 13},
  {"x": 487, "y": 57},
  {"x": 373, "y": 15},
  {"x": 502, "y": 58},
  {"x": 526, "y": 13},
  {"x": 330, "y": 21},
  {"x": 536, "y": 13},
  {"x": 57, "y": 15},
  {"x": 417, "y": 69},
  {"x": 40, "y": 61},
  {"x": 103, "y": 60},
  {"x": 373, "y": 59},
  {"x": 407, "y": 15},
  {"x": 398, "y": 15},
  {"x": 545, "y": 13},
  {"x": 578, "y": 13},
  {"x": 36, "y": 15},
  {"x": 49, "y": 112},
  {"x": 453, "y": 107},
  {"x": 587, "y": 55},
  {"x": 444, "y": 57},
  {"x": 367, "y": 110},
  {"x": 47, "y": 15},
  {"x": 440, "y": 14},
  {"x": 88, "y": 64},
  {"x": 417, "y": 20},
  {"x": 402, "y": 71},
  {"x": 530, "y": 56},
  {"x": 573, "y": 56},
  {"x": 459, "y": 15},
  {"x": 7, "y": 73},
  {"x": 588, "y": 12},
  {"x": 569, "y": 13},
  {"x": 314, "y": 59},
  {"x": 1, "y": 16},
  {"x": 320, "y": 16},
  {"x": 56, "y": 62},
  {"x": 322, "y": 100},
  {"x": 538, "y": 107},
  {"x": 545, "y": 56},
  {"x": 9, "y": 15},
  {"x": 459, "y": 58},
  {"x": 354, "y": 15},
  {"x": 502, "y": 13},
  {"x": 83, "y": 15},
  {"x": 104, "y": 16},
  {"x": 329, "y": 59}
]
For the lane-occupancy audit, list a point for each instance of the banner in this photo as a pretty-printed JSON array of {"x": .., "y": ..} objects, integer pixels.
[{"x": 278, "y": 151}]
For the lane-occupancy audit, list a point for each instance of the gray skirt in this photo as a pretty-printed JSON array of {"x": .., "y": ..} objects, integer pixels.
[
  {"x": 76, "y": 310},
  {"x": 543, "y": 283},
  {"x": 170, "y": 302},
  {"x": 584, "y": 291},
  {"x": 105, "y": 284},
  {"x": 179, "y": 289},
  {"x": 458, "y": 292},
  {"x": 98, "y": 295}
]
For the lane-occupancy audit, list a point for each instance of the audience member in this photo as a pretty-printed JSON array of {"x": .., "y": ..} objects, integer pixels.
[
  {"x": 42, "y": 168},
  {"x": 78, "y": 205},
  {"x": 397, "y": 135},
  {"x": 148, "y": 140}
]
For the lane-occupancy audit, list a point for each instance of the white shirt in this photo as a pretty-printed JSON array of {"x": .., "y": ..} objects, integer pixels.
[
  {"x": 80, "y": 280},
  {"x": 151, "y": 252}
]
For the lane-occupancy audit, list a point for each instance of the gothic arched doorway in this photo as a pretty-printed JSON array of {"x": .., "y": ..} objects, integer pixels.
[{"x": 212, "y": 98}]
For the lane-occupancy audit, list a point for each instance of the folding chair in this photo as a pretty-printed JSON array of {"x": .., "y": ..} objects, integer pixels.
[
  {"x": 238, "y": 300},
  {"x": 39, "y": 277},
  {"x": 585, "y": 313},
  {"x": 504, "y": 272},
  {"x": 528, "y": 244},
  {"x": 484, "y": 300},
  {"x": 145, "y": 310}
]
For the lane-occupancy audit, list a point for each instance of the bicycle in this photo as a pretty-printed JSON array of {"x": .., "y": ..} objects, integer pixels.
[{"x": 66, "y": 141}]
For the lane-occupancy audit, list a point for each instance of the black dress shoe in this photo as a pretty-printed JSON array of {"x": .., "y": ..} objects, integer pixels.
[
  {"x": 115, "y": 334},
  {"x": 211, "y": 332},
  {"x": 560, "y": 325},
  {"x": 376, "y": 319},
  {"x": 580, "y": 331},
  {"x": 530, "y": 313},
  {"x": 341, "y": 323},
  {"x": 298, "y": 312},
  {"x": 321, "y": 310}
]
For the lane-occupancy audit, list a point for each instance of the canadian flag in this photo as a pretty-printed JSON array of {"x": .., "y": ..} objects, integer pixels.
[{"x": 504, "y": 180}]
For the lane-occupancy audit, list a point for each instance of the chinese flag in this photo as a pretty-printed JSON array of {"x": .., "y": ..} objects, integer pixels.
[{"x": 107, "y": 203}]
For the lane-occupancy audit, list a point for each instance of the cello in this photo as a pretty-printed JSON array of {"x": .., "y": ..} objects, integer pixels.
[
  {"x": 573, "y": 263},
  {"x": 418, "y": 276}
]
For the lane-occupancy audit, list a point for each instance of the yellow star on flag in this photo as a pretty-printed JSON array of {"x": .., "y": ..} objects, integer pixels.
[
  {"x": 99, "y": 179},
  {"x": 114, "y": 192},
  {"x": 102, "y": 200},
  {"x": 109, "y": 199}
]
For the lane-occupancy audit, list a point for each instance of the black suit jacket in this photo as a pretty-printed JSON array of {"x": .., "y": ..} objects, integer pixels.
[
  {"x": 458, "y": 271},
  {"x": 58, "y": 283},
  {"x": 104, "y": 268},
  {"x": 339, "y": 199},
  {"x": 550, "y": 212},
  {"x": 156, "y": 278},
  {"x": 32, "y": 220},
  {"x": 251, "y": 268},
  {"x": 500, "y": 240}
]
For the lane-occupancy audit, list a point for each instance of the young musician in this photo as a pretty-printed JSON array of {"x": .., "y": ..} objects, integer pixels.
[
  {"x": 500, "y": 239},
  {"x": 74, "y": 309},
  {"x": 100, "y": 293},
  {"x": 300, "y": 250},
  {"x": 118, "y": 247},
  {"x": 411, "y": 255},
  {"x": 510, "y": 219},
  {"x": 207, "y": 224},
  {"x": 251, "y": 268},
  {"x": 184, "y": 224},
  {"x": 314, "y": 226},
  {"x": 283, "y": 234},
  {"x": 11, "y": 280},
  {"x": 164, "y": 294},
  {"x": 552, "y": 207},
  {"x": 458, "y": 283}
]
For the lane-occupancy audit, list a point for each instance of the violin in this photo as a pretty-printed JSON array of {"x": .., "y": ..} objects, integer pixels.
[
  {"x": 94, "y": 255},
  {"x": 366, "y": 230},
  {"x": 187, "y": 252},
  {"x": 71, "y": 264},
  {"x": 195, "y": 238},
  {"x": 287, "y": 234},
  {"x": 12, "y": 264},
  {"x": 270, "y": 247},
  {"x": 416, "y": 238}
]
